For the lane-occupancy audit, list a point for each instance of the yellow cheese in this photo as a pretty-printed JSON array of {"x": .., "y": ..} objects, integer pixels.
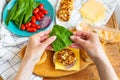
[
  {"x": 93, "y": 10},
  {"x": 76, "y": 66}
]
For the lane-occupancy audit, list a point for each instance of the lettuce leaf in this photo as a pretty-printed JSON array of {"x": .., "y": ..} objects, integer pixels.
[{"x": 63, "y": 37}]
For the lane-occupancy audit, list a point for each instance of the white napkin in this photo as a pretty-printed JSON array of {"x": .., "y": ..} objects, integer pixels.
[
  {"x": 2, "y": 3},
  {"x": 10, "y": 45}
]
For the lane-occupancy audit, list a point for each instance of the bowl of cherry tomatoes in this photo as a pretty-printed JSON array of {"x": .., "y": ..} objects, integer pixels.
[{"x": 41, "y": 20}]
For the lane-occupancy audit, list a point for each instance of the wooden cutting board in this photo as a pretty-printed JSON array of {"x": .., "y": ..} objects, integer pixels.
[
  {"x": 90, "y": 73},
  {"x": 47, "y": 68}
]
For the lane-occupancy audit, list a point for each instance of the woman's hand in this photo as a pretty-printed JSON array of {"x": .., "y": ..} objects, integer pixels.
[
  {"x": 89, "y": 42},
  {"x": 35, "y": 48},
  {"x": 37, "y": 45}
]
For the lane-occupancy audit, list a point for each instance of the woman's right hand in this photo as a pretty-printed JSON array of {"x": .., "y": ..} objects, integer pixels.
[{"x": 89, "y": 42}]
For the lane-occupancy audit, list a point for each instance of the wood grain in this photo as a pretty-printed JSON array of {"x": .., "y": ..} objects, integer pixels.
[
  {"x": 90, "y": 73},
  {"x": 1, "y": 78},
  {"x": 47, "y": 68}
]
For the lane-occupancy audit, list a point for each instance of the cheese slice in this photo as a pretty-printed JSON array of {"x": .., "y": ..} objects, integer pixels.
[
  {"x": 93, "y": 10},
  {"x": 76, "y": 66}
]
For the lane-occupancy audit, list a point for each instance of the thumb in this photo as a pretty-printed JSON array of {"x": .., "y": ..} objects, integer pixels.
[
  {"x": 77, "y": 40},
  {"x": 47, "y": 42}
]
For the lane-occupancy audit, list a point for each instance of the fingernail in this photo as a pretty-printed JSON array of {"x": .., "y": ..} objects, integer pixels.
[
  {"x": 72, "y": 37},
  {"x": 54, "y": 37}
]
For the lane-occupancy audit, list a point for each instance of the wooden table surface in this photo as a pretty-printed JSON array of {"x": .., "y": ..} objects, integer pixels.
[{"x": 90, "y": 73}]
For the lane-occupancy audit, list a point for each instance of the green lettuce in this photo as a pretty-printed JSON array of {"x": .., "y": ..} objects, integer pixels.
[{"x": 63, "y": 37}]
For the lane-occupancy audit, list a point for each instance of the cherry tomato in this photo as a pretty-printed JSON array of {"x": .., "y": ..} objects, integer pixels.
[
  {"x": 37, "y": 17},
  {"x": 28, "y": 24},
  {"x": 44, "y": 11},
  {"x": 31, "y": 29},
  {"x": 41, "y": 6},
  {"x": 36, "y": 10},
  {"x": 22, "y": 27},
  {"x": 41, "y": 14},
  {"x": 33, "y": 25},
  {"x": 33, "y": 19},
  {"x": 37, "y": 27}
]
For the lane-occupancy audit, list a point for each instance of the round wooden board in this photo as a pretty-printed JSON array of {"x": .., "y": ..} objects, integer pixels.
[{"x": 47, "y": 69}]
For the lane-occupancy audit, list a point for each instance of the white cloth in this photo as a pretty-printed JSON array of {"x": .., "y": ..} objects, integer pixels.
[{"x": 10, "y": 45}]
